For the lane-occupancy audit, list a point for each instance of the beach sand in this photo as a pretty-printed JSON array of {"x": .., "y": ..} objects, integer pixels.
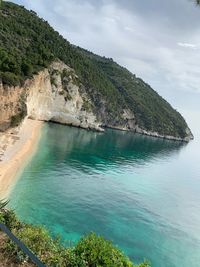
[{"x": 17, "y": 145}]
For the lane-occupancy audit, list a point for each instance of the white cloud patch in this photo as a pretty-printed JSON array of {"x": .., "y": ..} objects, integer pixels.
[
  {"x": 129, "y": 29},
  {"x": 188, "y": 45}
]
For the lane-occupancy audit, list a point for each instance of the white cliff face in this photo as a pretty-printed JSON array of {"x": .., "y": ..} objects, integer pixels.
[{"x": 54, "y": 95}]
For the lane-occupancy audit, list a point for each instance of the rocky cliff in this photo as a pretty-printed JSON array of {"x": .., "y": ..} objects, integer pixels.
[
  {"x": 12, "y": 106},
  {"x": 56, "y": 94}
]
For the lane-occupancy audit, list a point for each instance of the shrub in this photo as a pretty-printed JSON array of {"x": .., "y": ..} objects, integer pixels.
[
  {"x": 9, "y": 218},
  {"x": 16, "y": 119},
  {"x": 27, "y": 69},
  {"x": 91, "y": 250},
  {"x": 94, "y": 250},
  {"x": 61, "y": 93},
  {"x": 68, "y": 97},
  {"x": 53, "y": 81},
  {"x": 86, "y": 106},
  {"x": 10, "y": 78},
  {"x": 37, "y": 239}
]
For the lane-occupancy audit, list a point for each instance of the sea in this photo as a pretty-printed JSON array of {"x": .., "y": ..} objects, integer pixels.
[{"x": 140, "y": 192}]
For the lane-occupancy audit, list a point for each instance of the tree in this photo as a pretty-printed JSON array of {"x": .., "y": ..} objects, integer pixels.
[{"x": 27, "y": 68}]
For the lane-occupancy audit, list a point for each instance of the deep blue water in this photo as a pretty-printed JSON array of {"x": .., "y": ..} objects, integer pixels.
[{"x": 142, "y": 193}]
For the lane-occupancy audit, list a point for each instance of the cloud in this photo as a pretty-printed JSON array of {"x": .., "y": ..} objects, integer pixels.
[
  {"x": 129, "y": 29},
  {"x": 188, "y": 45}
]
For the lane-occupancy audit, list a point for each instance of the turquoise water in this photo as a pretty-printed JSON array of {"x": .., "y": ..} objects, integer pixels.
[{"x": 142, "y": 193}]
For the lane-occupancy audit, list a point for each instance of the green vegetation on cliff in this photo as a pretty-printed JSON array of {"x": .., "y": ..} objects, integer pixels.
[
  {"x": 28, "y": 44},
  {"x": 90, "y": 251}
]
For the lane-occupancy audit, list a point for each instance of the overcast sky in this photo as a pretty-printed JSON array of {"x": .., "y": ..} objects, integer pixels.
[{"x": 157, "y": 40}]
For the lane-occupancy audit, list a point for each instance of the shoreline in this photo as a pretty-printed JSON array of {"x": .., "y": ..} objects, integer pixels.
[
  {"x": 143, "y": 132},
  {"x": 18, "y": 145},
  {"x": 137, "y": 130}
]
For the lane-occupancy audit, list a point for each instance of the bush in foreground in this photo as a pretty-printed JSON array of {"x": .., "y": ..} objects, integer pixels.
[
  {"x": 93, "y": 250},
  {"x": 90, "y": 251}
]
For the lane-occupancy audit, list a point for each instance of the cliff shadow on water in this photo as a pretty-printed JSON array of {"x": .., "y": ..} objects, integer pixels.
[{"x": 110, "y": 148}]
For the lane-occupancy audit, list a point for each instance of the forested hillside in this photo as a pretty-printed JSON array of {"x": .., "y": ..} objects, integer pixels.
[{"x": 28, "y": 44}]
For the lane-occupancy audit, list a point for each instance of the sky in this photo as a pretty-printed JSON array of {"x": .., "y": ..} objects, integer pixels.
[{"x": 158, "y": 41}]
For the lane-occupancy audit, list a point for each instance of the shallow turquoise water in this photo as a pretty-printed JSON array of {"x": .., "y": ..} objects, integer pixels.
[{"x": 142, "y": 193}]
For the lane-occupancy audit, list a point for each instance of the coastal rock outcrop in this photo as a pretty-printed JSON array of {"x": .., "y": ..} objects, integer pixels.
[{"x": 56, "y": 94}]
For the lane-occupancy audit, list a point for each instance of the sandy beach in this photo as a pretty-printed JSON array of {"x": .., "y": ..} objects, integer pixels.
[{"x": 17, "y": 145}]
